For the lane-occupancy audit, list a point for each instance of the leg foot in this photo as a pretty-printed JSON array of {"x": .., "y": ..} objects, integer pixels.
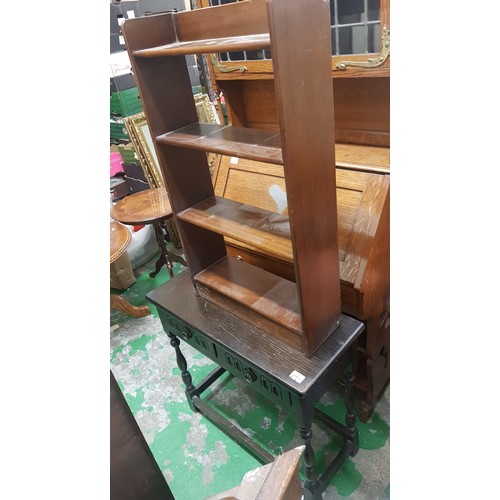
[{"x": 120, "y": 304}]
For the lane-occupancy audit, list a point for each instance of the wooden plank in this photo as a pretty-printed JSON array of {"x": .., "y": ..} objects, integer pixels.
[
  {"x": 264, "y": 293},
  {"x": 210, "y": 45},
  {"x": 234, "y": 19},
  {"x": 242, "y": 142},
  {"x": 304, "y": 94},
  {"x": 260, "y": 228}
]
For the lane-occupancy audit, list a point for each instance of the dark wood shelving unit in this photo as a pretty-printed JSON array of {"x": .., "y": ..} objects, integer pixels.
[{"x": 302, "y": 313}]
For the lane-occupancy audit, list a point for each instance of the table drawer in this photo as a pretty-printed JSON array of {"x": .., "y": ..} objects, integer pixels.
[{"x": 234, "y": 364}]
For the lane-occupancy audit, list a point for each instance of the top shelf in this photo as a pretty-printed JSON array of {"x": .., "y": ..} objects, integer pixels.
[{"x": 247, "y": 42}]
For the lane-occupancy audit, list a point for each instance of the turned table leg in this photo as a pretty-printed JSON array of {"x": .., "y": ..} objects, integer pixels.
[
  {"x": 352, "y": 433},
  {"x": 182, "y": 364},
  {"x": 164, "y": 258}
]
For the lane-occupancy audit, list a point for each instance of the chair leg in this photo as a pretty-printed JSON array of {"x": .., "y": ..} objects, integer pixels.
[{"x": 120, "y": 304}]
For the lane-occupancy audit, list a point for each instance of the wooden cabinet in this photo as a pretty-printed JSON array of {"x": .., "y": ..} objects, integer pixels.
[{"x": 305, "y": 311}]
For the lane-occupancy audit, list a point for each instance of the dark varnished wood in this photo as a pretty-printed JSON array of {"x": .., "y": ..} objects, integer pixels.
[
  {"x": 263, "y": 229},
  {"x": 241, "y": 142},
  {"x": 304, "y": 87},
  {"x": 233, "y": 284},
  {"x": 145, "y": 207},
  {"x": 364, "y": 251},
  {"x": 178, "y": 297},
  {"x": 250, "y": 354},
  {"x": 233, "y": 20},
  {"x": 169, "y": 105},
  {"x": 151, "y": 206},
  {"x": 363, "y": 228},
  {"x": 302, "y": 77},
  {"x": 249, "y": 42},
  {"x": 134, "y": 472},
  {"x": 265, "y": 145}
]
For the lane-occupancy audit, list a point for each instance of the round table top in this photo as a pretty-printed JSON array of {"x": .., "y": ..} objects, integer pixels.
[
  {"x": 144, "y": 207},
  {"x": 119, "y": 240}
]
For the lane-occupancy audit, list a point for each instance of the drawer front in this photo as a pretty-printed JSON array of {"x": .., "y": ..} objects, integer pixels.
[
  {"x": 240, "y": 368},
  {"x": 189, "y": 335}
]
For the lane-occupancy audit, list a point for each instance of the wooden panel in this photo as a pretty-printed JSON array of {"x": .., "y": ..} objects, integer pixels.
[
  {"x": 238, "y": 19},
  {"x": 362, "y": 107},
  {"x": 265, "y": 230},
  {"x": 250, "y": 42},
  {"x": 304, "y": 88},
  {"x": 236, "y": 141}
]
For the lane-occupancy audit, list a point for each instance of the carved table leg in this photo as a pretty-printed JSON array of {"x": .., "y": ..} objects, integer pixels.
[
  {"x": 352, "y": 433},
  {"x": 164, "y": 257},
  {"x": 311, "y": 483},
  {"x": 182, "y": 364},
  {"x": 120, "y": 304}
]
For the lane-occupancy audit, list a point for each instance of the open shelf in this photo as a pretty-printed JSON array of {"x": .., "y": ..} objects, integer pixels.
[
  {"x": 260, "y": 291},
  {"x": 242, "y": 142},
  {"x": 228, "y": 44},
  {"x": 265, "y": 145},
  {"x": 260, "y": 228}
]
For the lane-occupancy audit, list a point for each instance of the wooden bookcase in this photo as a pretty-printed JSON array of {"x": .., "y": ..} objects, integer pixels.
[
  {"x": 303, "y": 312},
  {"x": 361, "y": 87}
]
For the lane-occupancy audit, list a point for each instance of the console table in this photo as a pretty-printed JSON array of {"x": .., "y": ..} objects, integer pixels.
[{"x": 280, "y": 373}]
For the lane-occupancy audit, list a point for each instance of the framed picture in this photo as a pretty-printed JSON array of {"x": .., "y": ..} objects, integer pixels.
[{"x": 140, "y": 136}]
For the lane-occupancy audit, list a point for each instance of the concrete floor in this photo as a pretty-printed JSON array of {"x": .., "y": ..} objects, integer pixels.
[{"x": 196, "y": 458}]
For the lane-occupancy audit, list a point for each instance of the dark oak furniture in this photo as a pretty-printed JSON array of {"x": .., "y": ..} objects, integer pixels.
[
  {"x": 150, "y": 206},
  {"x": 119, "y": 240},
  {"x": 134, "y": 473},
  {"x": 302, "y": 313},
  {"x": 277, "y": 371},
  {"x": 361, "y": 95},
  {"x": 363, "y": 211}
]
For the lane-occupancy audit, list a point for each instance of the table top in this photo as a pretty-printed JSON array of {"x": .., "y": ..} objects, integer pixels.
[
  {"x": 144, "y": 207},
  {"x": 119, "y": 240},
  {"x": 177, "y": 297}
]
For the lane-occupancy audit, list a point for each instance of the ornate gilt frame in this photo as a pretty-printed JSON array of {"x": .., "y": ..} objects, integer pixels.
[{"x": 140, "y": 136}]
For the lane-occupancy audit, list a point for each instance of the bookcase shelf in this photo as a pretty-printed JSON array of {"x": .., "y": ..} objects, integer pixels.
[
  {"x": 260, "y": 228},
  {"x": 212, "y": 45},
  {"x": 242, "y": 142},
  {"x": 303, "y": 313}
]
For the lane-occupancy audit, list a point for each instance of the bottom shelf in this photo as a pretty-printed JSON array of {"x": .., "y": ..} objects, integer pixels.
[{"x": 255, "y": 295}]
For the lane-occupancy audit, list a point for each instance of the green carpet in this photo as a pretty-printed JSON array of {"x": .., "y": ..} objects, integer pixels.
[{"x": 199, "y": 460}]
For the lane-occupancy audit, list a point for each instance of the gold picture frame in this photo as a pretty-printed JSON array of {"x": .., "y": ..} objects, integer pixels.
[{"x": 140, "y": 137}]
